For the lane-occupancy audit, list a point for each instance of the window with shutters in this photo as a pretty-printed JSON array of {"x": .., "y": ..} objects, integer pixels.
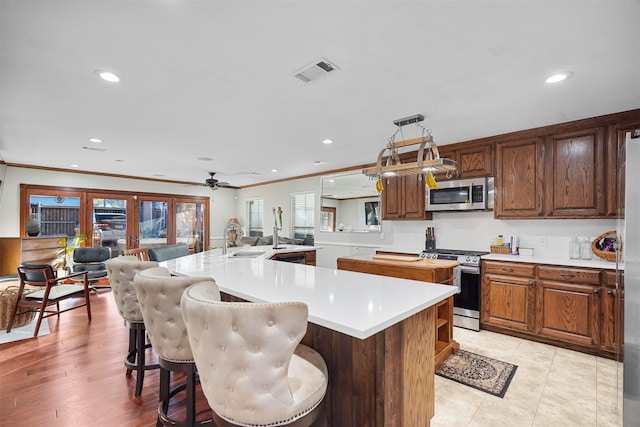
[{"x": 302, "y": 215}]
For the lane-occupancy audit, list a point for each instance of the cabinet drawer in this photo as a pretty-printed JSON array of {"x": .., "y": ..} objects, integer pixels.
[
  {"x": 509, "y": 268},
  {"x": 609, "y": 278},
  {"x": 566, "y": 274},
  {"x": 43, "y": 242}
]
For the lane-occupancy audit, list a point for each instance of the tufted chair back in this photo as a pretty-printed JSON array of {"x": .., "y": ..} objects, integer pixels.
[
  {"x": 159, "y": 294},
  {"x": 121, "y": 271},
  {"x": 252, "y": 370}
]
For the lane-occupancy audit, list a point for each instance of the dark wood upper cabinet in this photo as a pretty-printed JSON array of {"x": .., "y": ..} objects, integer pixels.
[
  {"x": 519, "y": 178},
  {"x": 575, "y": 178},
  {"x": 475, "y": 160},
  {"x": 403, "y": 198}
]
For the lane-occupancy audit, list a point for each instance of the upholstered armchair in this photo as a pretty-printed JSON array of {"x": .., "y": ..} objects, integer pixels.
[
  {"x": 159, "y": 294},
  {"x": 121, "y": 271},
  {"x": 253, "y": 371}
]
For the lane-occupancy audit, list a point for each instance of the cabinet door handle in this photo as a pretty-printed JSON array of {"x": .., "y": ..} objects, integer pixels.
[
  {"x": 596, "y": 290},
  {"x": 507, "y": 269},
  {"x": 567, "y": 274},
  {"x": 530, "y": 282},
  {"x": 611, "y": 292}
]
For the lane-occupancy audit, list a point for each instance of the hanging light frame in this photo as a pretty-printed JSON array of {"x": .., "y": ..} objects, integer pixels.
[{"x": 428, "y": 159}]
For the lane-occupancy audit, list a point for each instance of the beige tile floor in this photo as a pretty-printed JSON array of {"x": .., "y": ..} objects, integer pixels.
[{"x": 552, "y": 387}]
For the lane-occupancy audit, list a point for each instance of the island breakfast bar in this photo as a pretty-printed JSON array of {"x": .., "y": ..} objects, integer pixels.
[{"x": 374, "y": 332}]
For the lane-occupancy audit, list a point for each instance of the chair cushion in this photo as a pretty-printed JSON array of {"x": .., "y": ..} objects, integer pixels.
[
  {"x": 159, "y": 295},
  {"x": 252, "y": 369},
  {"x": 163, "y": 253},
  {"x": 87, "y": 255},
  {"x": 57, "y": 292},
  {"x": 121, "y": 271}
]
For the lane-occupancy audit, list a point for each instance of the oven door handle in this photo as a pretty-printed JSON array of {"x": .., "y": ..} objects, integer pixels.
[{"x": 457, "y": 274}]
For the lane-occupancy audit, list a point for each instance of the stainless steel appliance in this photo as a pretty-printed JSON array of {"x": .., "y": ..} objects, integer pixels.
[
  {"x": 629, "y": 237},
  {"x": 461, "y": 195},
  {"x": 467, "y": 277}
]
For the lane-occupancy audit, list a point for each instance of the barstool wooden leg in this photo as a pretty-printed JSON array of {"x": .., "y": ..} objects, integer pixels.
[{"x": 141, "y": 362}]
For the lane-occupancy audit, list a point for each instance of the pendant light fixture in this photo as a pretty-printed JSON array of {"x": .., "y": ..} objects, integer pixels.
[{"x": 427, "y": 160}]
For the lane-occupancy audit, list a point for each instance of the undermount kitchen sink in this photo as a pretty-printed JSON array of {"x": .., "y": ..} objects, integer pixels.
[{"x": 245, "y": 254}]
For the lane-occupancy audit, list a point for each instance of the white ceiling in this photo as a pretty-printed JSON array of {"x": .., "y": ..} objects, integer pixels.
[{"x": 215, "y": 79}]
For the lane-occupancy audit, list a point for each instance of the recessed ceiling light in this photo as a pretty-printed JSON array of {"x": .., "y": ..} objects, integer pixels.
[
  {"x": 558, "y": 77},
  {"x": 108, "y": 76},
  {"x": 96, "y": 140},
  {"x": 327, "y": 141},
  {"x": 274, "y": 170},
  {"x": 75, "y": 166},
  {"x": 318, "y": 162}
]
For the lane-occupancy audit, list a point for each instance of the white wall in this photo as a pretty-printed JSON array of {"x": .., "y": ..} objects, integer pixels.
[
  {"x": 458, "y": 230},
  {"x": 454, "y": 230},
  {"x": 223, "y": 203}
]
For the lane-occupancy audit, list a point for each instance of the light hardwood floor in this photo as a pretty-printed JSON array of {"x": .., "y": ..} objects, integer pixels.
[{"x": 75, "y": 377}]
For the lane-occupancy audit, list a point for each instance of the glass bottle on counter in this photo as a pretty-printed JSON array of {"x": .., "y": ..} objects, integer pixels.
[
  {"x": 585, "y": 248},
  {"x": 574, "y": 248}
]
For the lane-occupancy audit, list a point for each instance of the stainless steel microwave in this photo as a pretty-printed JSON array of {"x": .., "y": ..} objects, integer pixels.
[{"x": 461, "y": 195}]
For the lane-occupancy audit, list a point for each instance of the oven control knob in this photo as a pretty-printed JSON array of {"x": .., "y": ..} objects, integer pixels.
[{"x": 468, "y": 259}]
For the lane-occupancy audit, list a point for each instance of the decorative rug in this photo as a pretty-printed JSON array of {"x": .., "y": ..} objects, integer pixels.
[
  {"x": 480, "y": 372},
  {"x": 24, "y": 332}
]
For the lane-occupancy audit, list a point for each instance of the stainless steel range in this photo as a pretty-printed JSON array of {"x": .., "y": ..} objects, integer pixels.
[{"x": 466, "y": 303}]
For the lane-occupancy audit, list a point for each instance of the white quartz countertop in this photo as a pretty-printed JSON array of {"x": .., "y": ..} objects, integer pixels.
[
  {"x": 538, "y": 259},
  {"x": 356, "y": 304}
]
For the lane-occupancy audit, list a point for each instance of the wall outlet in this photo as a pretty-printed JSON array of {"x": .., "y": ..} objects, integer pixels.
[{"x": 543, "y": 241}]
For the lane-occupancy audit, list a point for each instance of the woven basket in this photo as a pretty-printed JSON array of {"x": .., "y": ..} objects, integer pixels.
[
  {"x": 8, "y": 299},
  {"x": 606, "y": 255},
  {"x": 500, "y": 249}
]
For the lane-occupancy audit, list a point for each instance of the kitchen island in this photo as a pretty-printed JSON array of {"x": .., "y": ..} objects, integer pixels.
[
  {"x": 374, "y": 332},
  {"x": 415, "y": 268}
]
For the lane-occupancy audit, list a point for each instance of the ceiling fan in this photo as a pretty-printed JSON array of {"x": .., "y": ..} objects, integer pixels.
[{"x": 214, "y": 183}]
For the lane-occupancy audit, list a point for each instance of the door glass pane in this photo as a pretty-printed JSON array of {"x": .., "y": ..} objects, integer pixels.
[
  {"x": 110, "y": 224},
  {"x": 153, "y": 223},
  {"x": 190, "y": 225},
  {"x": 55, "y": 215}
]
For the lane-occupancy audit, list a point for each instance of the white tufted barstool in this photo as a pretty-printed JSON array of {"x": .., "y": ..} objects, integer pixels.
[
  {"x": 159, "y": 295},
  {"x": 121, "y": 271},
  {"x": 252, "y": 368}
]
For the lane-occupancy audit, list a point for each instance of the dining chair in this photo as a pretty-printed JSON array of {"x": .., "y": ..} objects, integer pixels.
[
  {"x": 51, "y": 291},
  {"x": 252, "y": 367},
  {"x": 141, "y": 253},
  {"x": 159, "y": 294},
  {"x": 121, "y": 271}
]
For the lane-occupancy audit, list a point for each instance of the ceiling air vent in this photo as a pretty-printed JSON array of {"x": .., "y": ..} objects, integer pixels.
[{"x": 315, "y": 70}]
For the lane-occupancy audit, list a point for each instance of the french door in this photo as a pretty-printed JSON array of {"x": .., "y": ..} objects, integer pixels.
[{"x": 118, "y": 220}]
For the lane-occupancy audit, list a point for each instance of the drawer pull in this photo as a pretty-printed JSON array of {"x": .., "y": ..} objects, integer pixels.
[
  {"x": 530, "y": 282},
  {"x": 507, "y": 269},
  {"x": 596, "y": 290},
  {"x": 610, "y": 292},
  {"x": 567, "y": 274}
]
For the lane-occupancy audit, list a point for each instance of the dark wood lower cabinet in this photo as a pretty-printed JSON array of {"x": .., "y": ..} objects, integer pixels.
[{"x": 576, "y": 308}]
